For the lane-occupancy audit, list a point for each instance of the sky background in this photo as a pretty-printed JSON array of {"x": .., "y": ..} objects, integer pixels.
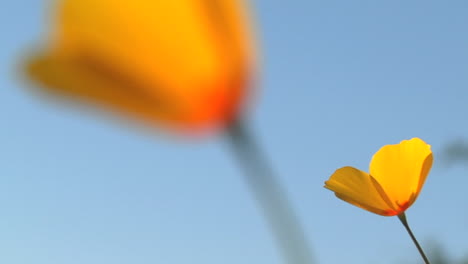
[{"x": 337, "y": 80}]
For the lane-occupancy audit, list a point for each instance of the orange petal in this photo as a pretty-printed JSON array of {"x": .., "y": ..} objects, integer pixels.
[
  {"x": 194, "y": 54},
  {"x": 401, "y": 170},
  {"x": 358, "y": 188},
  {"x": 71, "y": 80}
]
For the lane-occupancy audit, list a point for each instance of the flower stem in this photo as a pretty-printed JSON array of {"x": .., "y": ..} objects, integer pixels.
[
  {"x": 403, "y": 220},
  {"x": 270, "y": 195}
]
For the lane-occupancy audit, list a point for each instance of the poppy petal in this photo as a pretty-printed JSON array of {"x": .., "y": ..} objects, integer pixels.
[
  {"x": 191, "y": 58},
  {"x": 357, "y": 187},
  {"x": 72, "y": 80},
  {"x": 401, "y": 170}
]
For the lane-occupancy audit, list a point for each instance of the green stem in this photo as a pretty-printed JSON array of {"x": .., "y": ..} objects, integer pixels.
[
  {"x": 403, "y": 220},
  {"x": 271, "y": 197}
]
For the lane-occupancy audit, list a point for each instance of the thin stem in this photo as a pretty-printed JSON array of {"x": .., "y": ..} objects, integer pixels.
[
  {"x": 270, "y": 196},
  {"x": 403, "y": 220}
]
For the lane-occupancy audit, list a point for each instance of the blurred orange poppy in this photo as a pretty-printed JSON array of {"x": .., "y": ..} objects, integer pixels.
[
  {"x": 183, "y": 63},
  {"x": 397, "y": 174}
]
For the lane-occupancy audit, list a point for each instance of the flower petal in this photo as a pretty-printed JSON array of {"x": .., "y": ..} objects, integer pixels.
[
  {"x": 357, "y": 187},
  {"x": 69, "y": 79},
  {"x": 194, "y": 57},
  {"x": 401, "y": 170}
]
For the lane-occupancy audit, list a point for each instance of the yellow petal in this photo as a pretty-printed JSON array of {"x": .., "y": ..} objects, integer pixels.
[
  {"x": 358, "y": 188},
  {"x": 401, "y": 170},
  {"x": 195, "y": 53}
]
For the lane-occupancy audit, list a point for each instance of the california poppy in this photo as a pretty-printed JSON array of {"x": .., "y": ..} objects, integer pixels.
[
  {"x": 397, "y": 174},
  {"x": 184, "y": 64},
  {"x": 181, "y": 63}
]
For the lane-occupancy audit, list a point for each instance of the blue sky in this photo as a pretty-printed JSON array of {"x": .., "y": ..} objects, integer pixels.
[{"x": 338, "y": 80}]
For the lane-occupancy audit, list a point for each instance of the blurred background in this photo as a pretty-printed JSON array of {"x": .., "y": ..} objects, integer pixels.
[{"x": 338, "y": 80}]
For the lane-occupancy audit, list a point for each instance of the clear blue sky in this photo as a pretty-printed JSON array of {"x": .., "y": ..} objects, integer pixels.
[{"x": 339, "y": 79}]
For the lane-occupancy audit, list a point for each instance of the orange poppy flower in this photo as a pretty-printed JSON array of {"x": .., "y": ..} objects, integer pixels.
[
  {"x": 183, "y": 63},
  {"x": 397, "y": 174}
]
